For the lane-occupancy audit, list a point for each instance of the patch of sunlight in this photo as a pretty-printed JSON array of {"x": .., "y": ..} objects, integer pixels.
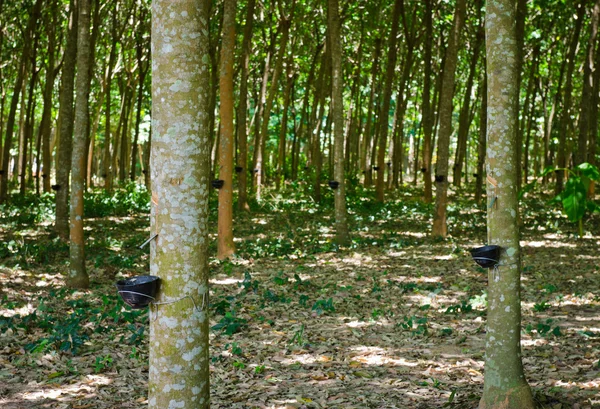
[
  {"x": 226, "y": 281},
  {"x": 378, "y": 356},
  {"x": 414, "y": 234},
  {"x": 299, "y": 359},
  {"x": 396, "y": 253},
  {"x": 547, "y": 243},
  {"x": 260, "y": 221},
  {"x": 448, "y": 257},
  {"x": 569, "y": 384},
  {"x": 533, "y": 342},
  {"x": 76, "y": 388},
  {"x": 98, "y": 380},
  {"x": 23, "y": 311},
  {"x": 357, "y": 324}
]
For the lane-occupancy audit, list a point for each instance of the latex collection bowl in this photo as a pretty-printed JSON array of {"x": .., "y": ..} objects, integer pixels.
[{"x": 138, "y": 292}]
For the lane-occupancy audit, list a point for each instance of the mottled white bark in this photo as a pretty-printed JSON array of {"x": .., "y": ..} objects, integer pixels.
[
  {"x": 505, "y": 385},
  {"x": 179, "y": 370}
]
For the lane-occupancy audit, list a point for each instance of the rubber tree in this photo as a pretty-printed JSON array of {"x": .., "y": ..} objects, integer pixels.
[
  {"x": 78, "y": 277},
  {"x": 21, "y": 74},
  {"x": 180, "y": 153},
  {"x": 65, "y": 132},
  {"x": 440, "y": 228},
  {"x": 242, "y": 130},
  {"x": 285, "y": 23},
  {"x": 337, "y": 107},
  {"x": 504, "y": 385},
  {"x": 225, "y": 246},
  {"x": 565, "y": 118},
  {"x": 387, "y": 94},
  {"x": 426, "y": 103},
  {"x": 586, "y": 108}
]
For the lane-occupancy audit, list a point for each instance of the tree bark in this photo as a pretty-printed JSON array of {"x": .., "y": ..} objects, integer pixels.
[
  {"x": 77, "y": 277},
  {"x": 464, "y": 120},
  {"x": 426, "y": 104},
  {"x": 65, "y": 115},
  {"x": 565, "y": 118},
  {"x": 143, "y": 66},
  {"x": 179, "y": 355},
  {"x": 285, "y": 24},
  {"x": 505, "y": 386},
  {"x": 337, "y": 107},
  {"x": 281, "y": 148},
  {"x": 366, "y": 141},
  {"x": 242, "y": 127},
  {"x": 588, "y": 89},
  {"x": 481, "y": 145},
  {"x": 21, "y": 74},
  {"x": 47, "y": 110},
  {"x": 225, "y": 246},
  {"x": 108, "y": 170},
  {"x": 440, "y": 228},
  {"x": 387, "y": 94}
]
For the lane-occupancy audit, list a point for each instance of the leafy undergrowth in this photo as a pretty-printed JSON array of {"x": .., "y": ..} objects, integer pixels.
[{"x": 395, "y": 320}]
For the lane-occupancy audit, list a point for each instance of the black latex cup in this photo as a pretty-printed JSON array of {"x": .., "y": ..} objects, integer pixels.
[
  {"x": 334, "y": 184},
  {"x": 486, "y": 256},
  {"x": 238, "y": 169},
  {"x": 218, "y": 183},
  {"x": 138, "y": 292}
]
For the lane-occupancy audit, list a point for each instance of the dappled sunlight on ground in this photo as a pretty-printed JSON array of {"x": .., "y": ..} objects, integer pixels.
[{"x": 396, "y": 320}]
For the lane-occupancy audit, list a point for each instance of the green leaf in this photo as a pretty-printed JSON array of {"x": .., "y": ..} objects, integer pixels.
[
  {"x": 593, "y": 207},
  {"x": 547, "y": 170},
  {"x": 574, "y": 199},
  {"x": 590, "y": 171}
]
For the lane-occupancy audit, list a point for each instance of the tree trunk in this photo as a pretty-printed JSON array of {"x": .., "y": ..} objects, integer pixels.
[
  {"x": 366, "y": 144},
  {"x": 108, "y": 171},
  {"x": 225, "y": 246},
  {"x": 21, "y": 74},
  {"x": 26, "y": 131},
  {"x": 143, "y": 67},
  {"x": 65, "y": 115},
  {"x": 77, "y": 277},
  {"x": 285, "y": 24},
  {"x": 440, "y": 228},
  {"x": 520, "y": 15},
  {"x": 242, "y": 129},
  {"x": 464, "y": 120},
  {"x": 281, "y": 151},
  {"x": 565, "y": 119},
  {"x": 505, "y": 386},
  {"x": 529, "y": 113},
  {"x": 426, "y": 107},
  {"x": 337, "y": 108},
  {"x": 588, "y": 88},
  {"x": 387, "y": 94},
  {"x": 46, "y": 123},
  {"x": 593, "y": 131},
  {"x": 481, "y": 145},
  {"x": 316, "y": 120},
  {"x": 180, "y": 174}
]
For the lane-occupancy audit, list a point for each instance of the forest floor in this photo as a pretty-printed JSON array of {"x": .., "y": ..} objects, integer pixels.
[{"x": 395, "y": 320}]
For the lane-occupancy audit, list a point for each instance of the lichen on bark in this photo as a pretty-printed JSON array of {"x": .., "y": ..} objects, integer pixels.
[
  {"x": 179, "y": 371},
  {"x": 505, "y": 385}
]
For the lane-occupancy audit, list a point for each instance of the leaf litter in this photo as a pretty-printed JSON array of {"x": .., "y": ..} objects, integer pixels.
[{"x": 396, "y": 320}]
